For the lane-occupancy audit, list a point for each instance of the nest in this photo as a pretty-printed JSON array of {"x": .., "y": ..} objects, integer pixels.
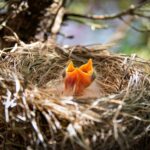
[{"x": 32, "y": 116}]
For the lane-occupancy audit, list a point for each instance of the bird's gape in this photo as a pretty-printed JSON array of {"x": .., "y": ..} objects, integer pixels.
[{"x": 76, "y": 80}]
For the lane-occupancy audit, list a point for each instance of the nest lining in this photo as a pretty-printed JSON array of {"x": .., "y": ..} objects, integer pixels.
[{"x": 33, "y": 116}]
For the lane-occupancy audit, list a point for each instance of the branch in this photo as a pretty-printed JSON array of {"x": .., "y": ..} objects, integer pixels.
[
  {"x": 58, "y": 19},
  {"x": 129, "y": 11},
  {"x": 141, "y": 15},
  {"x": 135, "y": 28}
]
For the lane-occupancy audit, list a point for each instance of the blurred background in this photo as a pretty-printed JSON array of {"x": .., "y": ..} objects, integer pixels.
[
  {"x": 35, "y": 20},
  {"x": 128, "y": 40}
]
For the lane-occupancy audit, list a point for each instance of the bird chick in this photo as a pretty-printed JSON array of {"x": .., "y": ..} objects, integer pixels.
[{"x": 78, "y": 79}]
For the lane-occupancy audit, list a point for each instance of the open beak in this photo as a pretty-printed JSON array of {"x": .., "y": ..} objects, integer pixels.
[
  {"x": 77, "y": 79},
  {"x": 71, "y": 76},
  {"x": 87, "y": 68}
]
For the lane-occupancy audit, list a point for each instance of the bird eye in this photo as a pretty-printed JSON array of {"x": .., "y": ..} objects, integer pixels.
[{"x": 93, "y": 76}]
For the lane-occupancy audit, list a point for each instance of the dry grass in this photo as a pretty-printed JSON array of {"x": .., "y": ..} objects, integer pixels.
[{"x": 32, "y": 116}]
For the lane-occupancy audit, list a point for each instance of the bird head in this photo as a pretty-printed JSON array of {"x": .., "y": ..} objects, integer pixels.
[{"x": 76, "y": 79}]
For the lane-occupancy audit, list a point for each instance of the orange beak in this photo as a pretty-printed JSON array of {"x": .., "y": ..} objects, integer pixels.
[{"x": 77, "y": 79}]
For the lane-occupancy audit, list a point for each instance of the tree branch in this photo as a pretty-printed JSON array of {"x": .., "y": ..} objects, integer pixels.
[
  {"x": 135, "y": 28},
  {"x": 130, "y": 11}
]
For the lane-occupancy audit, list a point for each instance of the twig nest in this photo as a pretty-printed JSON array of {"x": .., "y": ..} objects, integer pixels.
[{"x": 36, "y": 116}]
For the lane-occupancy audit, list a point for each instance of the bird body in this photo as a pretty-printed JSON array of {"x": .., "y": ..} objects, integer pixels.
[{"x": 79, "y": 82}]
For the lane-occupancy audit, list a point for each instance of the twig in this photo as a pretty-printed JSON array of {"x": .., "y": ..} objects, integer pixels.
[
  {"x": 129, "y": 11},
  {"x": 58, "y": 19},
  {"x": 133, "y": 27},
  {"x": 16, "y": 37},
  {"x": 142, "y": 15}
]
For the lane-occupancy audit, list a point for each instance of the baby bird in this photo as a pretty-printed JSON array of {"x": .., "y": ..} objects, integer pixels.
[{"x": 79, "y": 81}]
